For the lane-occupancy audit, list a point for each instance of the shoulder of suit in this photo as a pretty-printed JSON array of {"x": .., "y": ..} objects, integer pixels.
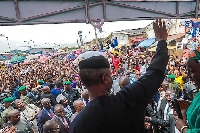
[{"x": 55, "y": 119}]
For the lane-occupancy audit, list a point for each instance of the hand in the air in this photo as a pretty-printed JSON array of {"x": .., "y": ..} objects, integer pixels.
[
  {"x": 147, "y": 125},
  {"x": 160, "y": 30}
]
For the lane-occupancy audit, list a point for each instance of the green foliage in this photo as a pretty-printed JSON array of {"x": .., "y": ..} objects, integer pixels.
[{"x": 72, "y": 48}]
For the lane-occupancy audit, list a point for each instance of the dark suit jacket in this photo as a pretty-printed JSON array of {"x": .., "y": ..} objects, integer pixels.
[
  {"x": 41, "y": 118},
  {"x": 51, "y": 97},
  {"x": 63, "y": 129}
]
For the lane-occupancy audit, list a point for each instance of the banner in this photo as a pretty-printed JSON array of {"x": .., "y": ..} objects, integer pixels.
[
  {"x": 192, "y": 28},
  {"x": 192, "y": 34}
]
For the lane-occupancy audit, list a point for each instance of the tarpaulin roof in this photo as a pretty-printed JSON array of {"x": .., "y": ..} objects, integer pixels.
[{"x": 147, "y": 42}]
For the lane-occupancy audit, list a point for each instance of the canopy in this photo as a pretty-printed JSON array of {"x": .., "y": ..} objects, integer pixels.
[
  {"x": 43, "y": 59},
  {"x": 147, "y": 42},
  {"x": 17, "y": 59}
]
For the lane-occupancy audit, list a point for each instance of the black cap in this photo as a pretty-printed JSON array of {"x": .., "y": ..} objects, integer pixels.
[{"x": 95, "y": 62}]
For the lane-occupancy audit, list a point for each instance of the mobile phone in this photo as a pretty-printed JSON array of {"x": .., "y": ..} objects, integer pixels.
[{"x": 176, "y": 105}]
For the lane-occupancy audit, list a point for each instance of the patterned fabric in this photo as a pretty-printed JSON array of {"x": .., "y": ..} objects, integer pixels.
[
  {"x": 3, "y": 118},
  {"x": 28, "y": 113},
  {"x": 193, "y": 115},
  {"x": 68, "y": 112},
  {"x": 195, "y": 52}
]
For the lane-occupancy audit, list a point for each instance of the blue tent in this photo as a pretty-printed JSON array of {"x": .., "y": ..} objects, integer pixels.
[
  {"x": 102, "y": 50},
  {"x": 147, "y": 42}
]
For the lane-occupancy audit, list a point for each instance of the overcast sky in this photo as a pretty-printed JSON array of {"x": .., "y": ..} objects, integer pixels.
[{"x": 60, "y": 33}]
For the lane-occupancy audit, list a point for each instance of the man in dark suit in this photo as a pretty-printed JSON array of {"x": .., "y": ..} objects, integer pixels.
[
  {"x": 45, "y": 114},
  {"x": 60, "y": 118},
  {"x": 165, "y": 117},
  {"x": 123, "y": 112}
]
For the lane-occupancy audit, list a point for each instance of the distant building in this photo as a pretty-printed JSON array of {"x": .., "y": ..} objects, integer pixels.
[
  {"x": 41, "y": 50},
  {"x": 122, "y": 37},
  {"x": 130, "y": 36},
  {"x": 5, "y": 56},
  {"x": 173, "y": 26},
  {"x": 24, "y": 48},
  {"x": 176, "y": 32}
]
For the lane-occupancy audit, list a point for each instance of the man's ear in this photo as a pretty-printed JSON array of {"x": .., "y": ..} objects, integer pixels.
[{"x": 103, "y": 78}]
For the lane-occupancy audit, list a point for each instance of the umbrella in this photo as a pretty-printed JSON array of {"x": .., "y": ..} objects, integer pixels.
[
  {"x": 88, "y": 54},
  {"x": 17, "y": 59},
  {"x": 27, "y": 62},
  {"x": 43, "y": 59},
  {"x": 55, "y": 54}
]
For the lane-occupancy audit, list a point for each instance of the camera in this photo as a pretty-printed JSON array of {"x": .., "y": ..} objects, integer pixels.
[
  {"x": 190, "y": 90},
  {"x": 175, "y": 105}
]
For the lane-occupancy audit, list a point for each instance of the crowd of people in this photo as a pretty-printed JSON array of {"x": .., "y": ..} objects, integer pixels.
[{"x": 119, "y": 91}]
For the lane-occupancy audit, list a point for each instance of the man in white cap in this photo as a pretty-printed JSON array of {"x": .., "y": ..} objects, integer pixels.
[{"x": 123, "y": 112}]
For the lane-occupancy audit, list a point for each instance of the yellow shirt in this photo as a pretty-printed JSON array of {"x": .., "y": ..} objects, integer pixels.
[
  {"x": 180, "y": 81},
  {"x": 115, "y": 52}
]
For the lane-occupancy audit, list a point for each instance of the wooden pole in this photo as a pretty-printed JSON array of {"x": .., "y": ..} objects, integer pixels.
[{"x": 95, "y": 32}]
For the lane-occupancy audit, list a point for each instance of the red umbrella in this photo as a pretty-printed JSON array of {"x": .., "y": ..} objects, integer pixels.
[
  {"x": 43, "y": 59},
  {"x": 27, "y": 62}
]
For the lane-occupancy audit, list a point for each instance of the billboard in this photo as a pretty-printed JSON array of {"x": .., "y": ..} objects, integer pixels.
[
  {"x": 192, "y": 28},
  {"x": 5, "y": 56},
  {"x": 192, "y": 33}
]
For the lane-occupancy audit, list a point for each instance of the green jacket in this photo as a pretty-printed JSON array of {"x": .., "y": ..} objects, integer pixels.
[
  {"x": 4, "y": 118},
  {"x": 26, "y": 100}
]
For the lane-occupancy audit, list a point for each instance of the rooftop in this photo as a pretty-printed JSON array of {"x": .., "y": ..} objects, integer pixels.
[{"x": 132, "y": 32}]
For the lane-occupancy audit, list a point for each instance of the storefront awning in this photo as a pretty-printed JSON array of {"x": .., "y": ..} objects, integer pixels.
[
  {"x": 147, "y": 42},
  {"x": 154, "y": 48},
  {"x": 175, "y": 36}
]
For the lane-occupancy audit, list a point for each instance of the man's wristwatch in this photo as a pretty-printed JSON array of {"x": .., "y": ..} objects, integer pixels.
[{"x": 183, "y": 127}]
